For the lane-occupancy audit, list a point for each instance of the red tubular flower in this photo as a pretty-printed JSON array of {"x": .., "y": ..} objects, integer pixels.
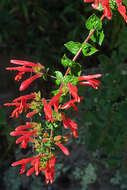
[
  {"x": 88, "y": 77},
  {"x": 122, "y": 9},
  {"x": 25, "y": 84},
  {"x": 35, "y": 162},
  {"x": 24, "y": 67},
  {"x": 20, "y": 69},
  {"x": 25, "y": 138},
  {"x": 19, "y": 108},
  {"x": 63, "y": 148},
  {"x": 90, "y": 80},
  {"x": 106, "y": 6},
  {"x": 69, "y": 104},
  {"x": 47, "y": 110},
  {"x": 21, "y": 104},
  {"x": 74, "y": 92},
  {"x": 24, "y": 63},
  {"x": 18, "y": 77},
  {"x": 17, "y": 133},
  {"x": 31, "y": 114},
  {"x": 30, "y": 171},
  {"x": 23, "y": 168},
  {"x": 55, "y": 101},
  {"x": 23, "y": 161},
  {"x": 49, "y": 170},
  {"x": 24, "y": 98},
  {"x": 23, "y": 127},
  {"x": 68, "y": 123}
]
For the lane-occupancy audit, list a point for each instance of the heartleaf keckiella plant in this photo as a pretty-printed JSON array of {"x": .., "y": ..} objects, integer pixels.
[{"x": 46, "y": 138}]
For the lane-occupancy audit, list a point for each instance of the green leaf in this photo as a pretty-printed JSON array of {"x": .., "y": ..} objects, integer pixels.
[
  {"x": 98, "y": 37},
  {"x": 55, "y": 92},
  {"x": 75, "y": 69},
  {"x": 66, "y": 62},
  {"x": 48, "y": 144},
  {"x": 49, "y": 126},
  {"x": 71, "y": 79},
  {"x": 93, "y": 22},
  {"x": 73, "y": 47},
  {"x": 59, "y": 77},
  {"x": 88, "y": 49}
]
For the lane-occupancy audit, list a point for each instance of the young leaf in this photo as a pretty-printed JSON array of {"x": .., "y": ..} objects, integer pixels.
[
  {"x": 98, "y": 37},
  {"x": 73, "y": 47},
  {"x": 66, "y": 62},
  {"x": 75, "y": 69},
  {"x": 93, "y": 22},
  {"x": 59, "y": 77},
  {"x": 88, "y": 49},
  {"x": 101, "y": 37},
  {"x": 72, "y": 79}
]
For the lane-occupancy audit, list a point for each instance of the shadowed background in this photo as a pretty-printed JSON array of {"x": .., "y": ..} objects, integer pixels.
[{"x": 36, "y": 31}]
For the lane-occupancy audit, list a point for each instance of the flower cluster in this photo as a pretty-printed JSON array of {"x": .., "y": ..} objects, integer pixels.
[
  {"x": 44, "y": 138},
  {"x": 25, "y": 67},
  {"x": 105, "y": 5}
]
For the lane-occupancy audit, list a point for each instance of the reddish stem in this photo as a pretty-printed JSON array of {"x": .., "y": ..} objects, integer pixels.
[{"x": 79, "y": 51}]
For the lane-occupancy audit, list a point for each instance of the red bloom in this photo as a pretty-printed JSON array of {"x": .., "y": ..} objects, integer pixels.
[
  {"x": 55, "y": 101},
  {"x": 31, "y": 114},
  {"x": 90, "y": 80},
  {"x": 20, "y": 69},
  {"x": 35, "y": 163},
  {"x": 21, "y": 104},
  {"x": 47, "y": 110},
  {"x": 122, "y": 9},
  {"x": 106, "y": 6},
  {"x": 68, "y": 123},
  {"x": 24, "y": 67},
  {"x": 69, "y": 104},
  {"x": 19, "y": 108},
  {"x": 23, "y": 127},
  {"x": 49, "y": 170},
  {"x": 25, "y": 84},
  {"x": 24, "y": 63},
  {"x": 74, "y": 92},
  {"x": 25, "y": 138},
  {"x": 24, "y": 98},
  {"x": 63, "y": 148}
]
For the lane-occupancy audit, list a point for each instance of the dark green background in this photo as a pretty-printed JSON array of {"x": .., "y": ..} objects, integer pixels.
[{"x": 36, "y": 30}]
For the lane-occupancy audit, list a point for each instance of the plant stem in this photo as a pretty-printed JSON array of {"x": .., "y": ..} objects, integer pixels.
[
  {"x": 76, "y": 56},
  {"x": 79, "y": 51}
]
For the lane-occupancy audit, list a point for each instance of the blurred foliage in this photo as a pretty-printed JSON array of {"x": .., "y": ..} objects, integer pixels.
[
  {"x": 10, "y": 176},
  {"x": 6, "y": 140},
  {"x": 40, "y": 28},
  {"x": 89, "y": 177},
  {"x": 103, "y": 119}
]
